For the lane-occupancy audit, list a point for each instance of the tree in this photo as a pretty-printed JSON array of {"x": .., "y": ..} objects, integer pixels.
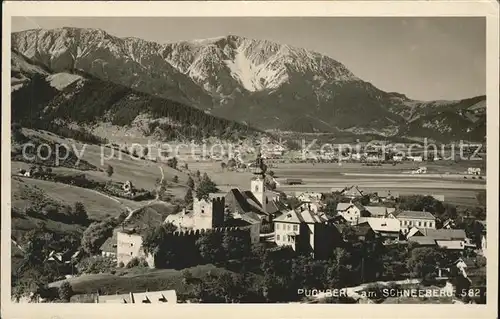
[
  {"x": 158, "y": 242},
  {"x": 481, "y": 198},
  {"x": 223, "y": 165},
  {"x": 175, "y": 179},
  {"x": 172, "y": 162},
  {"x": 423, "y": 262},
  {"x": 17, "y": 134},
  {"x": 331, "y": 207},
  {"x": 293, "y": 202},
  {"x": 145, "y": 152},
  {"x": 205, "y": 187},
  {"x": 422, "y": 203},
  {"x": 236, "y": 244},
  {"x": 209, "y": 246},
  {"x": 110, "y": 170},
  {"x": 198, "y": 174},
  {"x": 187, "y": 276},
  {"x": 188, "y": 199},
  {"x": 80, "y": 213},
  {"x": 231, "y": 163},
  {"x": 96, "y": 234},
  {"x": 190, "y": 182},
  {"x": 65, "y": 291}
]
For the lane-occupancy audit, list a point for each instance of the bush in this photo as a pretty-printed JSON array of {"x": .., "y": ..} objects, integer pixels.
[
  {"x": 134, "y": 262},
  {"x": 65, "y": 291},
  {"x": 187, "y": 276},
  {"x": 96, "y": 265},
  {"x": 121, "y": 264}
]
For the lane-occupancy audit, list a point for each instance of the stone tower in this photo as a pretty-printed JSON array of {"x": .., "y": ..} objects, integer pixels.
[{"x": 208, "y": 213}]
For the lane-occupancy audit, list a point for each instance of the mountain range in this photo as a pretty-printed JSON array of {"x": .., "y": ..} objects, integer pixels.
[
  {"x": 76, "y": 105},
  {"x": 264, "y": 84}
]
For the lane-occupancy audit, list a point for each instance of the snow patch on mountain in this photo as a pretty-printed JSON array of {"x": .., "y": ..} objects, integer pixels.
[{"x": 62, "y": 80}]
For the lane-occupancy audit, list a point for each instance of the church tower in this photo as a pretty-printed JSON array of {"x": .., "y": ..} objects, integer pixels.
[
  {"x": 258, "y": 183},
  {"x": 258, "y": 188}
]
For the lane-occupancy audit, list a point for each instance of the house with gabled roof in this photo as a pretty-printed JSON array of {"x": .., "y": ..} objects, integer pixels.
[
  {"x": 307, "y": 232},
  {"x": 351, "y": 212},
  {"x": 379, "y": 211},
  {"x": 450, "y": 239},
  {"x": 352, "y": 192},
  {"x": 386, "y": 228}
]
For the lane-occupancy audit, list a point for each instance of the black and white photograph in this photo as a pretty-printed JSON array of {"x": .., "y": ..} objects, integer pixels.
[{"x": 309, "y": 160}]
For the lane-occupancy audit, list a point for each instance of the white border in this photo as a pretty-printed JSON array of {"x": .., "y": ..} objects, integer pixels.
[{"x": 488, "y": 9}]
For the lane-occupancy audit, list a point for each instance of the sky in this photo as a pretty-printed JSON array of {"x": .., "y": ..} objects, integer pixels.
[{"x": 426, "y": 58}]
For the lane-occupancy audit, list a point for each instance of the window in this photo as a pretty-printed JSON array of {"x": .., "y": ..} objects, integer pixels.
[
  {"x": 288, "y": 226},
  {"x": 425, "y": 224},
  {"x": 256, "y": 188},
  {"x": 130, "y": 253},
  {"x": 431, "y": 224},
  {"x": 277, "y": 226},
  {"x": 277, "y": 237},
  {"x": 419, "y": 224},
  {"x": 295, "y": 227}
]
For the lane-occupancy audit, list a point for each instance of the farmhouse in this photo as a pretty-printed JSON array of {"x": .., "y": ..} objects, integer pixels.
[
  {"x": 307, "y": 232},
  {"x": 109, "y": 247}
]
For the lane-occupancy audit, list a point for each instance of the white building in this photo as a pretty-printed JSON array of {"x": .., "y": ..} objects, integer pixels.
[{"x": 350, "y": 211}]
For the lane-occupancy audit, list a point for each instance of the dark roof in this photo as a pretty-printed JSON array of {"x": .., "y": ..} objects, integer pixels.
[
  {"x": 238, "y": 202},
  {"x": 423, "y": 240},
  {"x": 362, "y": 229},
  {"x": 109, "y": 245},
  {"x": 444, "y": 234},
  {"x": 246, "y": 202}
]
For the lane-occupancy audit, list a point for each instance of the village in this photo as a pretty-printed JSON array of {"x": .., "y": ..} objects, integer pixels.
[{"x": 301, "y": 223}]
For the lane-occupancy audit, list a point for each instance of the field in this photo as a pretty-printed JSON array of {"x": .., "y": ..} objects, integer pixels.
[{"x": 324, "y": 177}]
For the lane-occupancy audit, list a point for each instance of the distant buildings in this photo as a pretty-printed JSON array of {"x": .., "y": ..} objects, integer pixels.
[{"x": 474, "y": 171}]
